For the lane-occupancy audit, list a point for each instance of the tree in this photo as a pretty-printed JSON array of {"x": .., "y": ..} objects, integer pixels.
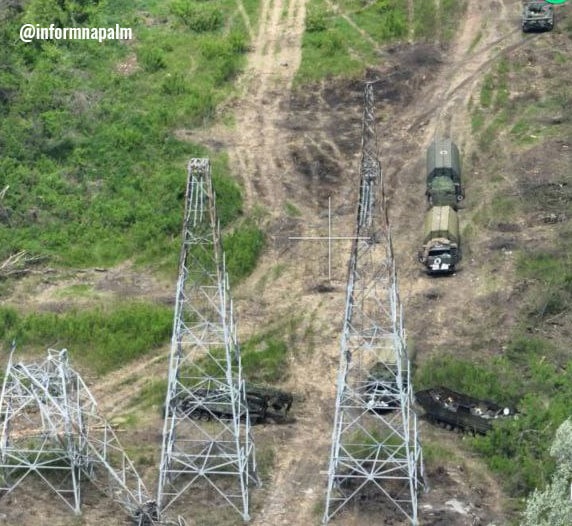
[{"x": 553, "y": 505}]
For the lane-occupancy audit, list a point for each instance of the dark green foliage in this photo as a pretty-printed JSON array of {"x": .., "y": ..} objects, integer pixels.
[
  {"x": 152, "y": 59},
  {"x": 228, "y": 198},
  {"x": 101, "y": 339},
  {"x": 198, "y": 17},
  {"x": 242, "y": 248},
  {"x": 316, "y": 21}
]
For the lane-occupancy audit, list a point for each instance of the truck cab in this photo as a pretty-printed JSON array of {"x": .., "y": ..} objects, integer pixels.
[{"x": 441, "y": 249}]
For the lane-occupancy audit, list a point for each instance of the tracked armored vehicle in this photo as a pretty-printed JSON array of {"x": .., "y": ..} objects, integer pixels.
[
  {"x": 537, "y": 16},
  {"x": 456, "y": 410},
  {"x": 381, "y": 390},
  {"x": 441, "y": 250},
  {"x": 278, "y": 402},
  {"x": 206, "y": 404},
  {"x": 263, "y": 402},
  {"x": 444, "y": 174}
]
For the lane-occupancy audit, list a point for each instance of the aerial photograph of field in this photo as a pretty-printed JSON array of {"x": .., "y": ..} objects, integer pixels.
[{"x": 285, "y": 262}]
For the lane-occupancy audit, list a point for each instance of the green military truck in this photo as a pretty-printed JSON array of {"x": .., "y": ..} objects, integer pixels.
[
  {"x": 537, "y": 16},
  {"x": 441, "y": 250},
  {"x": 444, "y": 174}
]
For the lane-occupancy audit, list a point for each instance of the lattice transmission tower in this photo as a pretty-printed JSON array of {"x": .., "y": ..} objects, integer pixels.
[
  {"x": 207, "y": 445},
  {"x": 375, "y": 451},
  {"x": 51, "y": 429}
]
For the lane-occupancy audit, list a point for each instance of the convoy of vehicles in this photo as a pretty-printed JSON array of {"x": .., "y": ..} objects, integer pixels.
[{"x": 441, "y": 249}]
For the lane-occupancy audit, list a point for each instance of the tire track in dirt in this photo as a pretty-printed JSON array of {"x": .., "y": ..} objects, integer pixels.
[
  {"x": 260, "y": 157},
  {"x": 115, "y": 393}
]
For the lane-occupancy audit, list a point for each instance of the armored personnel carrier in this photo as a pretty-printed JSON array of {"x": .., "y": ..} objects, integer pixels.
[
  {"x": 537, "y": 16},
  {"x": 456, "y": 410},
  {"x": 444, "y": 174}
]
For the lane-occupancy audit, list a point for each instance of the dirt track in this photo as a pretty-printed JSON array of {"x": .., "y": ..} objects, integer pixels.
[{"x": 422, "y": 92}]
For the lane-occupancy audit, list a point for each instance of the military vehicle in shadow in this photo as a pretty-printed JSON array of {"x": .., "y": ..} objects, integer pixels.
[{"x": 263, "y": 403}]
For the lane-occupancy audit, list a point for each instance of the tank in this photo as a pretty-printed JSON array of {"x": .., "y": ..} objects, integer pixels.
[
  {"x": 205, "y": 404},
  {"x": 537, "y": 16},
  {"x": 441, "y": 250},
  {"x": 456, "y": 410},
  {"x": 263, "y": 402},
  {"x": 278, "y": 402},
  {"x": 444, "y": 186}
]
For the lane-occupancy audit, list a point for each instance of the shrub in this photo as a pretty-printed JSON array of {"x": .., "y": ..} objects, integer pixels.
[
  {"x": 199, "y": 18},
  {"x": 103, "y": 339},
  {"x": 243, "y": 247},
  {"x": 316, "y": 21},
  {"x": 152, "y": 59},
  {"x": 265, "y": 362}
]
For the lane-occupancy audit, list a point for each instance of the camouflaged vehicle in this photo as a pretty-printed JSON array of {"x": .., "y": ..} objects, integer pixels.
[
  {"x": 444, "y": 174},
  {"x": 381, "y": 391},
  {"x": 441, "y": 250},
  {"x": 537, "y": 16},
  {"x": 459, "y": 411},
  {"x": 263, "y": 403}
]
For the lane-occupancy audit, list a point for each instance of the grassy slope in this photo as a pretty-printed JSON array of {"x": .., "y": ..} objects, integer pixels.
[
  {"x": 93, "y": 170},
  {"x": 81, "y": 158}
]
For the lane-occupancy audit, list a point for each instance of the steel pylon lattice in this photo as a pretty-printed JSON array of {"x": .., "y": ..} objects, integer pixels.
[
  {"x": 375, "y": 449},
  {"x": 207, "y": 444},
  {"x": 51, "y": 428}
]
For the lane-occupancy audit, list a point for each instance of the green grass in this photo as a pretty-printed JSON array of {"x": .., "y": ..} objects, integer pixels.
[
  {"x": 344, "y": 43},
  {"x": 475, "y": 41},
  {"x": 95, "y": 172},
  {"x": 102, "y": 339},
  {"x": 265, "y": 362},
  {"x": 152, "y": 395},
  {"x": 425, "y": 19},
  {"x": 333, "y": 47},
  {"x": 515, "y": 449},
  {"x": 291, "y": 209},
  {"x": 242, "y": 247}
]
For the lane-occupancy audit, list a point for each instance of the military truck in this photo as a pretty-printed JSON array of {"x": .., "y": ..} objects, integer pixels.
[
  {"x": 537, "y": 16},
  {"x": 459, "y": 411},
  {"x": 444, "y": 174},
  {"x": 441, "y": 250}
]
